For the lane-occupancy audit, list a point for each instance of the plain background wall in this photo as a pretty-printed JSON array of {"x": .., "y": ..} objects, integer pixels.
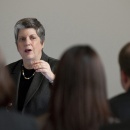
[{"x": 104, "y": 24}]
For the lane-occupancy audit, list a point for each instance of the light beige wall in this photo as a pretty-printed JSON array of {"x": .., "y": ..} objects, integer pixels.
[{"x": 105, "y": 24}]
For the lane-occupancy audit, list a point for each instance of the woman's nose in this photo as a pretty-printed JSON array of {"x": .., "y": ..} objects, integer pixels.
[{"x": 28, "y": 41}]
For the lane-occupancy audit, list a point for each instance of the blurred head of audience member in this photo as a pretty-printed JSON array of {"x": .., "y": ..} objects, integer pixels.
[
  {"x": 11, "y": 120},
  {"x": 7, "y": 88},
  {"x": 120, "y": 103},
  {"x": 79, "y": 98},
  {"x": 124, "y": 63}
]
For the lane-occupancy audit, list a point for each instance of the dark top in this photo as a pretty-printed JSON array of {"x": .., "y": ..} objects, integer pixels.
[{"x": 24, "y": 86}]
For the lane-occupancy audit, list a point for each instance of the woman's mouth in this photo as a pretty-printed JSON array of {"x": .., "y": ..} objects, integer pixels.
[{"x": 28, "y": 50}]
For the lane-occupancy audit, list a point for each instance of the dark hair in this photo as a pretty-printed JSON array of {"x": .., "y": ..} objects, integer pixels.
[
  {"x": 30, "y": 23},
  {"x": 124, "y": 58},
  {"x": 79, "y": 99},
  {"x": 7, "y": 88}
]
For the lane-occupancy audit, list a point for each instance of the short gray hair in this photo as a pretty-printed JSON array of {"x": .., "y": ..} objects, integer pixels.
[{"x": 30, "y": 23}]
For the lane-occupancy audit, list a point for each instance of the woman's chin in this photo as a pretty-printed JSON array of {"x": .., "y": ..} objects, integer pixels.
[{"x": 29, "y": 58}]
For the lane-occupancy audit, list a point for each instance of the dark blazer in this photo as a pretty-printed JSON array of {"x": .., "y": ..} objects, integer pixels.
[
  {"x": 38, "y": 95},
  {"x": 16, "y": 121},
  {"x": 120, "y": 106}
]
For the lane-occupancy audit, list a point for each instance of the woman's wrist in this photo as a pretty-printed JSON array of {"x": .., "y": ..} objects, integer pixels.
[{"x": 52, "y": 78}]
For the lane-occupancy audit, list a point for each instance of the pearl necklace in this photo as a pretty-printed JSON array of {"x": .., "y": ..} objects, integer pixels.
[{"x": 27, "y": 77}]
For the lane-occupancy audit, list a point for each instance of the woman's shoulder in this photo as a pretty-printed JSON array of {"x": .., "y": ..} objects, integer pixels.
[
  {"x": 52, "y": 60},
  {"x": 13, "y": 65},
  {"x": 48, "y": 58}
]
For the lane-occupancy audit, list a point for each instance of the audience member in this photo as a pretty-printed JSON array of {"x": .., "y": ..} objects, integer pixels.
[
  {"x": 7, "y": 88},
  {"x": 79, "y": 98},
  {"x": 120, "y": 104},
  {"x": 10, "y": 120},
  {"x": 34, "y": 73}
]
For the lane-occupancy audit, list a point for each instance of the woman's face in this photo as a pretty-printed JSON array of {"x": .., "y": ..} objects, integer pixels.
[{"x": 29, "y": 44}]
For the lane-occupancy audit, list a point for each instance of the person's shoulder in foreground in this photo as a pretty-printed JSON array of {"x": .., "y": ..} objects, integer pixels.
[
  {"x": 16, "y": 121},
  {"x": 117, "y": 126}
]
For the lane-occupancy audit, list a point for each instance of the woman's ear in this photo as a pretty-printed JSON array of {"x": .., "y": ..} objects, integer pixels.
[{"x": 42, "y": 45}]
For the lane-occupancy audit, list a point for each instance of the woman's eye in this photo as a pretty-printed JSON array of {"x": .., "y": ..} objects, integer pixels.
[
  {"x": 21, "y": 39},
  {"x": 33, "y": 37}
]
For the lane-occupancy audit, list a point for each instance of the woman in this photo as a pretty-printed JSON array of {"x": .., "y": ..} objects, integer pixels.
[
  {"x": 79, "y": 99},
  {"x": 34, "y": 73}
]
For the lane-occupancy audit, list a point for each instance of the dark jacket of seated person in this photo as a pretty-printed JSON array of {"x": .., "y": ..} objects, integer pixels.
[{"x": 120, "y": 106}]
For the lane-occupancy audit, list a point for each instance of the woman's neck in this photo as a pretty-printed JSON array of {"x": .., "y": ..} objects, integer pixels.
[{"x": 27, "y": 65}]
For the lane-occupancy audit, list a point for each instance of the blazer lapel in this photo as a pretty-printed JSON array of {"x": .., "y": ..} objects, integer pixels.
[{"x": 16, "y": 74}]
